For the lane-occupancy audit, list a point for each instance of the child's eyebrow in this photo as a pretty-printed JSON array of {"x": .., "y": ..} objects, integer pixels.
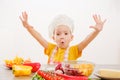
[{"x": 66, "y": 31}]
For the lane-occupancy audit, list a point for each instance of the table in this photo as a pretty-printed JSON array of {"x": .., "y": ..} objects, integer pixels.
[
  {"x": 6, "y": 74},
  {"x": 105, "y": 66}
]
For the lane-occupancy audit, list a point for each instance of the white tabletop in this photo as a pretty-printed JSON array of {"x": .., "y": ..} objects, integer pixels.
[{"x": 6, "y": 74}]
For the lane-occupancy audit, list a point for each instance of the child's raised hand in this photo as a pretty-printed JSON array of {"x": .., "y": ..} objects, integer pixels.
[
  {"x": 24, "y": 19},
  {"x": 99, "y": 23}
]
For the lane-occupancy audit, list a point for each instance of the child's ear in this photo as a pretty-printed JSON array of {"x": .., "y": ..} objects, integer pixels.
[
  {"x": 53, "y": 37},
  {"x": 72, "y": 37}
]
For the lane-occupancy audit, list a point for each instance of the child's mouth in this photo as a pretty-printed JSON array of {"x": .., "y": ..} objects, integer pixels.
[{"x": 62, "y": 42}]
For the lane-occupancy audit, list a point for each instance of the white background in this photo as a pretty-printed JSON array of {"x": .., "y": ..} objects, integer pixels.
[{"x": 16, "y": 41}]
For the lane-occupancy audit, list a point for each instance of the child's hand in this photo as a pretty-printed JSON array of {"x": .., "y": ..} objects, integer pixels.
[
  {"x": 24, "y": 19},
  {"x": 99, "y": 23}
]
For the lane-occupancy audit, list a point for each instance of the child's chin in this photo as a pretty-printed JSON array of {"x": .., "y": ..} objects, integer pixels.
[{"x": 62, "y": 46}]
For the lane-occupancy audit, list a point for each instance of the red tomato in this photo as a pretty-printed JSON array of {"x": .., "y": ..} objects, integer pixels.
[
  {"x": 49, "y": 75},
  {"x": 45, "y": 75}
]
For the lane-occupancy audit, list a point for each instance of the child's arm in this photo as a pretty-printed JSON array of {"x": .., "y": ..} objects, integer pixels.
[
  {"x": 32, "y": 31},
  {"x": 97, "y": 28}
]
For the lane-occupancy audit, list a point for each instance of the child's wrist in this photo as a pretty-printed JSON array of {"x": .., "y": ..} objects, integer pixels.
[
  {"x": 28, "y": 27},
  {"x": 97, "y": 31}
]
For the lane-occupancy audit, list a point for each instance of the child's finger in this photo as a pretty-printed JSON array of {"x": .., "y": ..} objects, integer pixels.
[
  {"x": 20, "y": 18},
  {"x": 104, "y": 21},
  {"x": 95, "y": 18},
  {"x": 24, "y": 16},
  {"x": 91, "y": 27},
  {"x": 99, "y": 17}
]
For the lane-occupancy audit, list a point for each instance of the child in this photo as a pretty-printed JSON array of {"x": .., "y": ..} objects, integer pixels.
[{"x": 61, "y": 32}]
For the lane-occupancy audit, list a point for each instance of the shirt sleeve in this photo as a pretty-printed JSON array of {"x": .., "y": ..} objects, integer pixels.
[
  {"x": 74, "y": 52},
  {"x": 50, "y": 48}
]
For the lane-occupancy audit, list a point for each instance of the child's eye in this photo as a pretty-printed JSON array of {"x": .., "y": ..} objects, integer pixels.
[
  {"x": 66, "y": 33},
  {"x": 58, "y": 34}
]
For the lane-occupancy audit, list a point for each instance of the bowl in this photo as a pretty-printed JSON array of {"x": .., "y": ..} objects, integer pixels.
[{"x": 78, "y": 68}]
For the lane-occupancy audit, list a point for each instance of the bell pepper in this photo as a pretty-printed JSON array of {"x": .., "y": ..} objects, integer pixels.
[
  {"x": 35, "y": 66},
  {"x": 21, "y": 70}
]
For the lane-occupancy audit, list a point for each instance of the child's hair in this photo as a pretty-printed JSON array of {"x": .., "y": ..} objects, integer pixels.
[{"x": 61, "y": 20}]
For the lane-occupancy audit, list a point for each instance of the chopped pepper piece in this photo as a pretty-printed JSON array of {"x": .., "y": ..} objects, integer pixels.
[{"x": 21, "y": 70}]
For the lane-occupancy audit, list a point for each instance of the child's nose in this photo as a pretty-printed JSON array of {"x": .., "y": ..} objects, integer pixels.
[{"x": 62, "y": 36}]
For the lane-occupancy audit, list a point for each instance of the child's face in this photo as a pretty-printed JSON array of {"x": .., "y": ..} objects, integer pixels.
[{"x": 62, "y": 36}]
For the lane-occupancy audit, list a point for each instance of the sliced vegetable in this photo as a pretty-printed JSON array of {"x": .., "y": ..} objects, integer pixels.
[
  {"x": 21, "y": 70},
  {"x": 67, "y": 77},
  {"x": 37, "y": 77},
  {"x": 35, "y": 66},
  {"x": 49, "y": 75},
  {"x": 16, "y": 61}
]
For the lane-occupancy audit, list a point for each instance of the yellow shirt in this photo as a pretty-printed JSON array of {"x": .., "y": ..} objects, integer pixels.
[{"x": 59, "y": 55}]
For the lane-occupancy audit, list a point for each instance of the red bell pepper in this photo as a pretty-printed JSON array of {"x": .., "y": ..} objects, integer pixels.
[
  {"x": 35, "y": 66},
  {"x": 67, "y": 77}
]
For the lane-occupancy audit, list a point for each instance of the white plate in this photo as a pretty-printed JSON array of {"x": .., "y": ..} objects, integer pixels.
[{"x": 105, "y": 78}]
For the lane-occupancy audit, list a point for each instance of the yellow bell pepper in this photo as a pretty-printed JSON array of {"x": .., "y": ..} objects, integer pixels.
[{"x": 21, "y": 70}]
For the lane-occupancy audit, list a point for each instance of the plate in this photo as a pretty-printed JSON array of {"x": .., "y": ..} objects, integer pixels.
[{"x": 105, "y": 78}]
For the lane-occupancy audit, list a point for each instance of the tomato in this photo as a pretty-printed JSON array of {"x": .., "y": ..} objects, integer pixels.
[
  {"x": 35, "y": 66},
  {"x": 49, "y": 75},
  {"x": 45, "y": 75}
]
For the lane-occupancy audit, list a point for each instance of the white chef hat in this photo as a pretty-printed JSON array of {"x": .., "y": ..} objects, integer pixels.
[{"x": 61, "y": 20}]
